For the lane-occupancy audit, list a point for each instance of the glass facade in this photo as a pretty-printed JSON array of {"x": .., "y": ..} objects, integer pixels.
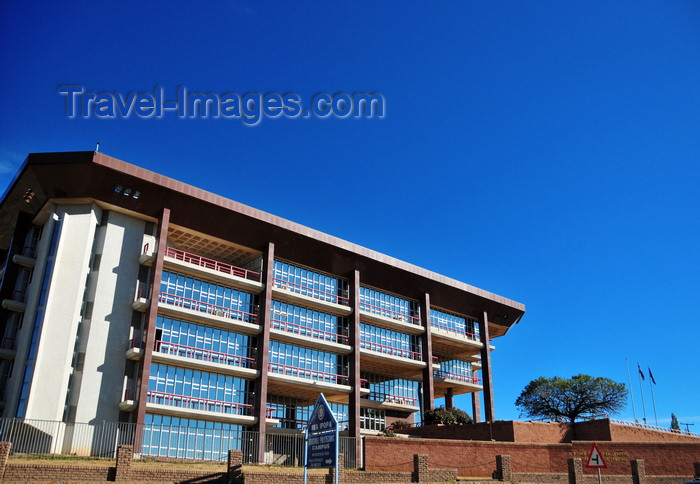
[
  {"x": 310, "y": 283},
  {"x": 313, "y": 364},
  {"x": 390, "y": 342},
  {"x": 389, "y": 306},
  {"x": 191, "y": 340},
  {"x": 309, "y": 322},
  {"x": 200, "y": 295},
  {"x": 384, "y": 388},
  {"x": 454, "y": 323}
]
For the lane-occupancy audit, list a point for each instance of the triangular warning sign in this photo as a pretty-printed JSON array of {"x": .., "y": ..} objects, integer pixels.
[{"x": 595, "y": 459}]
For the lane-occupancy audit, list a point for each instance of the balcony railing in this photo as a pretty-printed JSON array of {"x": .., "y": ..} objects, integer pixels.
[
  {"x": 206, "y": 307},
  {"x": 204, "y": 355},
  {"x": 446, "y": 375},
  {"x": 389, "y": 398},
  {"x": 461, "y": 332},
  {"x": 310, "y": 332},
  {"x": 390, "y": 350},
  {"x": 196, "y": 403},
  {"x": 7, "y": 344},
  {"x": 389, "y": 313},
  {"x": 308, "y": 374},
  {"x": 212, "y": 264},
  {"x": 310, "y": 291}
]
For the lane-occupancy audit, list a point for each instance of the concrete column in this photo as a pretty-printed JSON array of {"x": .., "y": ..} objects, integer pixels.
[
  {"x": 428, "y": 395},
  {"x": 354, "y": 429},
  {"x": 638, "y": 471},
  {"x": 449, "y": 398},
  {"x": 263, "y": 348},
  {"x": 489, "y": 407},
  {"x": 150, "y": 320},
  {"x": 476, "y": 402}
]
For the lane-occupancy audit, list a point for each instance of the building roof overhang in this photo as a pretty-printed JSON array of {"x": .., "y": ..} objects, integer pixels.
[{"x": 88, "y": 175}]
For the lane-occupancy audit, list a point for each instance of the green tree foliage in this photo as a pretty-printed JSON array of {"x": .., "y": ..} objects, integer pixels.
[
  {"x": 674, "y": 422},
  {"x": 447, "y": 416},
  {"x": 581, "y": 396}
]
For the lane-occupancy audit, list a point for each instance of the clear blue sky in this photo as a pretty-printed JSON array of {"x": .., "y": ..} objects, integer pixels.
[{"x": 545, "y": 151}]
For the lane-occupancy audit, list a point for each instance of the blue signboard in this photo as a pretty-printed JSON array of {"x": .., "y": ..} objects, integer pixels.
[{"x": 321, "y": 437}]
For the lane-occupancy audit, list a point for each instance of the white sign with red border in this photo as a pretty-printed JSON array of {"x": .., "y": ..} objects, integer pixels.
[{"x": 595, "y": 459}]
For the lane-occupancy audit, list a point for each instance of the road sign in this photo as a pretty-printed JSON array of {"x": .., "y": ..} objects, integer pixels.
[
  {"x": 321, "y": 437},
  {"x": 595, "y": 459}
]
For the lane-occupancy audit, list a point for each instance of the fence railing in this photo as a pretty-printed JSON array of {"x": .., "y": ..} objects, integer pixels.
[{"x": 203, "y": 442}]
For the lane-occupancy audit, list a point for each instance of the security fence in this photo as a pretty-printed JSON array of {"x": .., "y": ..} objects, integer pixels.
[{"x": 210, "y": 443}]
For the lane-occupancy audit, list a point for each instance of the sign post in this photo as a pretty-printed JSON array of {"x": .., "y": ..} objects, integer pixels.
[
  {"x": 595, "y": 461},
  {"x": 321, "y": 442}
]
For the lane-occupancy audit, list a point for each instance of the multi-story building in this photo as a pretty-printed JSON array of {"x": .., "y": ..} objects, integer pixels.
[{"x": 131, "y": 297}]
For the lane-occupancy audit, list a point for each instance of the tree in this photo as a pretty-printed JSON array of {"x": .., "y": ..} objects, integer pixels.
[
  {"x": 674, "y": 422},
  {"x": 447, "y": 416},
  {"x": 561, "y": 399}
]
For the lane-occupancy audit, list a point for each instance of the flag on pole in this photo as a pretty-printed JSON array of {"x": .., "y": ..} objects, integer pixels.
[
  {"x": 641, "y": 373},
  {"x": 651, "y": 376}
]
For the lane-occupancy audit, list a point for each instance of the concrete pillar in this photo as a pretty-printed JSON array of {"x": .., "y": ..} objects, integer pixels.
[
  {"x": 124, "y": 456},
  {"x": 489, "y": 406},
  {"x": 354, "y": 429},
  {"x": 476, "y": 403},
  {"x": 261, "y": 353},
  {"x": 575, "y": 471},
  {"x": 428, "y": 396},
  {"x": 638, "y": 471},
  {"x": 235, "y": 466},
  {"x": 503, "y": 468},
  {"x": 449, "y": 398}
]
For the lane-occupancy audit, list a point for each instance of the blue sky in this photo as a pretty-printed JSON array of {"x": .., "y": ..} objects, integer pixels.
[{"x": 544, "y": 151}]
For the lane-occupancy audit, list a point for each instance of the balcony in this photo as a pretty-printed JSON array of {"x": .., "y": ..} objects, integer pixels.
[
  {"x": 7, "y": 349},
  {"x": 386, "y": 400},
  {"x": 25, "y": 259},
  {"x": 134, "y": 352},
  {"x": 311, "y": 337},
  {"x": 209, "y": 313},
  {"x": 391, "y": 319},
  {"x": 207, "y": 360},
  {"x": 459, "y": 383},
  {"x": 307, "y": 295},
  {"x": 128, "y": 403},
  {"x": 305, "y": 384},
  {"x": 383, "y": 359},
  {"x": 212, "y": 269},
  {"x": 202, "y": 408}
]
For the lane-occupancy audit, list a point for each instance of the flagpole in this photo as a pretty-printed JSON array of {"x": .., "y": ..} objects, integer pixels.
[
  {"x": 651, "y": 386},
  {"x": 629, "y": 379},
  {"x": 641, "y": 389}
]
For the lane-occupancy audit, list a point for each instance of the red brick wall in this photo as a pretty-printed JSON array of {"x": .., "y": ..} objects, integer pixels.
[{"x": 478, "y": 459}]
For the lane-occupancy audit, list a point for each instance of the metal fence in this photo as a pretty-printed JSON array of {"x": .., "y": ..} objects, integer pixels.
[{"x": 209, "y": 443}]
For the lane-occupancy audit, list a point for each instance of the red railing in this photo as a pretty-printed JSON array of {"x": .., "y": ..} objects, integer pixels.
[
  {"x": 308, "y": 374},
  {"x": 446, "y": 375},
  {"x": 306, "y": 331},
  {"x": 196, "y": 403},
  {"x": 310, "y": 291},
  {"x": 462, "y": 332},
  {"x": 389, "y": 398},
  {"x": 390, "y": 350},
  {"x": 18, "y": 296},
  {"x": 212, "y": 264},
  {"x": 206, "y": 307},
  {"x": 204, "y": 355},
  {"x": 28, "y": 251},
  {"x": 388, "y": 313}
]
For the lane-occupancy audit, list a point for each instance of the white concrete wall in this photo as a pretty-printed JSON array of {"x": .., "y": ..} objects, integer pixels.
[
  {"x": 57, "y": 338},
  {"x": 112, "y": 291}
]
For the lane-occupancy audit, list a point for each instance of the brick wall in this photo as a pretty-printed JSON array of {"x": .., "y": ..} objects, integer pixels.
[{"x": 478, "y": 459}]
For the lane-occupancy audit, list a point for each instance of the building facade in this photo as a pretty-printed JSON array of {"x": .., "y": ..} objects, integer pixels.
[{"x": 131, "y": 297}]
